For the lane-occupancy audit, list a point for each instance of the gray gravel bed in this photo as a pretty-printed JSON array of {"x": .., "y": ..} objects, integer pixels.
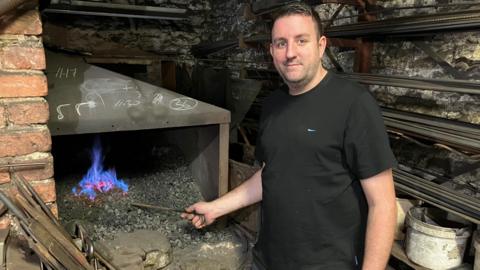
[{"x": 165, "y": 181}]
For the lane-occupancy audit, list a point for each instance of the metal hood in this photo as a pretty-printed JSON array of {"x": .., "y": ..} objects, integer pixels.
[{"x": 84, "y": 98}]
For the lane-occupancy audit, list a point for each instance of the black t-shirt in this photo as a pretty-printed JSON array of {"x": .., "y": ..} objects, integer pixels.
[{"x": 316, "y": 147}]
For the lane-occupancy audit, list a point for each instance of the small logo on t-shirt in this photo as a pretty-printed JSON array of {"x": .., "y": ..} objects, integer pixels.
[{"x": 311, "y": 130}]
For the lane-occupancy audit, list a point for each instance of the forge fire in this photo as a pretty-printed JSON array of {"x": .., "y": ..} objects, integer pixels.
[{"x": 97, "y": 179}]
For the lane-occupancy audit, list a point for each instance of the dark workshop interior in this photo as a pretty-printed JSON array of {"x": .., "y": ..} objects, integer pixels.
[{"x": 115, "y": 115}]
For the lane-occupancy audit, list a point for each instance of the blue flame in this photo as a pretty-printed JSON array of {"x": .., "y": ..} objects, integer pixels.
[{"x": 96, "y": 179}]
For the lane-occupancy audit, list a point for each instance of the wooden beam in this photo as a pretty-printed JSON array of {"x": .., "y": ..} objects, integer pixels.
[
  {"x": 363, "y": 55},
  {"x": 169, "y": 80}
]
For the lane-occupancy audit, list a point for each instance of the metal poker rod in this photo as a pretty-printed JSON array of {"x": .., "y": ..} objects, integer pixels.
[{"x": 161, "y": 208}]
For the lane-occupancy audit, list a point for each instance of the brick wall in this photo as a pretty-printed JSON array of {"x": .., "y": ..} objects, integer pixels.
[{"x": 24, "y": 136}]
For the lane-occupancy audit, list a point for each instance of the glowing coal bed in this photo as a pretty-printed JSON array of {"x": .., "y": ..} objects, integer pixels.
[{"x": 155, "y": 174}]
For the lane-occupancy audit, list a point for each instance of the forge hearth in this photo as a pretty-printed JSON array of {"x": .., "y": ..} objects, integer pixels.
[
  {"x": 156, "y": 173},
  {"x": 170, "y": 149},
  {"x": 86, "y": 99},
  {"x": 158, "y": 176}
]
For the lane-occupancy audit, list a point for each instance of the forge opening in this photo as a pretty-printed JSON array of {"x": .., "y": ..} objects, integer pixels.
[{"x": 156, "y": 172}]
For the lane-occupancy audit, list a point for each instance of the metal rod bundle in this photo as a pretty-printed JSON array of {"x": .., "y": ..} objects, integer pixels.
[
  {"x": 117, "y": 10},
  {"x": 418, "y": 24},
  {"x": 442, "y": 197},
  {"x": 463, "y": 20},
  {"x": 442, "y": 85},
  {"x": 47, "y": 238},
  {"x": 454, "y": 133}
]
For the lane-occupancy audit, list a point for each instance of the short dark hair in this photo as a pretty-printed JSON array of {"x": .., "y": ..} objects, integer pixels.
[{"x": 300, "y": 8}]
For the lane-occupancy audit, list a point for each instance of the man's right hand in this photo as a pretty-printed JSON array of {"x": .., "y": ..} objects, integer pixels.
[{"x": 201, "y": 214}]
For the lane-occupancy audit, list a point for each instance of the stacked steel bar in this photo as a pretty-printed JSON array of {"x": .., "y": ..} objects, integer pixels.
[
  {"x": 403, "y": 26},
  {"x": 46, "y": 237},
  {"x": 465, "y": 206},
  {"x": 267, "y": 6},
  {"x": 432, "y": 23},
  {"x": 117, "y": 10},
  {"x": 457, "y": 134},
  {"x": 454, "y": 133},
  {"x": 444, "y": 85}
]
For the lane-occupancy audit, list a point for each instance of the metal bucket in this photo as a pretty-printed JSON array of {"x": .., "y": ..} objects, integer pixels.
[
  {"x": 433, "y": 241},
  {"x": 403, "y": 205}
]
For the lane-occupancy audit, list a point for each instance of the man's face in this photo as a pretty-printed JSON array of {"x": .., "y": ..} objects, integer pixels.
[{"x": 296, "y": 49}]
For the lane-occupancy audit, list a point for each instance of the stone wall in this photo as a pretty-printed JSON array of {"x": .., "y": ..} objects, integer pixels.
[
  {"x": 24, "y": 136},
  {"x": 460, "y": 50},
  {"x": 98, "y": 35},
  {"x": 390, "y": 56},
  {"x": 215, "y": 20},
  {"x": 399, "y": 57}
]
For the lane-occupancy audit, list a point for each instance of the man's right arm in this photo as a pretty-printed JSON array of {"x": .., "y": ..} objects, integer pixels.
[{"x": 248, "y": 193}]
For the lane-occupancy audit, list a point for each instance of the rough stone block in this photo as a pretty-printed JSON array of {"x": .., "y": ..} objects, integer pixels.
[
  {"x": 151, "y": 245},
  {"x": 23, "y": 84},
  {"x": 16, "y": 142}
]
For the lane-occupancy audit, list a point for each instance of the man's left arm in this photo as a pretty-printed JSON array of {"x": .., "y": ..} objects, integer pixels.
[{"x": 382, "y": 213}]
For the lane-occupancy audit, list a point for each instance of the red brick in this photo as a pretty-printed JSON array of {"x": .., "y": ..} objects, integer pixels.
[
  {"x": 54, "y": 208},
  {"x": 22, "y": 84},
  {"x": 5, "y": 219},
  {"x": 3, "y": 118},
  {"x": 32, "y": 175},
  {"x": 20, "y": 57},
  {"x": 4, "y": 177},
  {"x": 46, "y": 189},
  {"x": 16, "y": 142},
  {"x": 4, "y": 222},
  {"x": 21, "y": 23},
  {"x": 4, "y": 174},
  {"x": 38, "y": 172},
  {"x": 24, "y": 112}
]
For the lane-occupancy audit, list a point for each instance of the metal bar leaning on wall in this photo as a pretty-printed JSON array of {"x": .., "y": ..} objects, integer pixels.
[{"x": 45, "y": 234}]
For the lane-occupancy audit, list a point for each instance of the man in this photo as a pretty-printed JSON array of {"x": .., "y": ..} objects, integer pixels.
[{"x": 326, "y": 186}]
